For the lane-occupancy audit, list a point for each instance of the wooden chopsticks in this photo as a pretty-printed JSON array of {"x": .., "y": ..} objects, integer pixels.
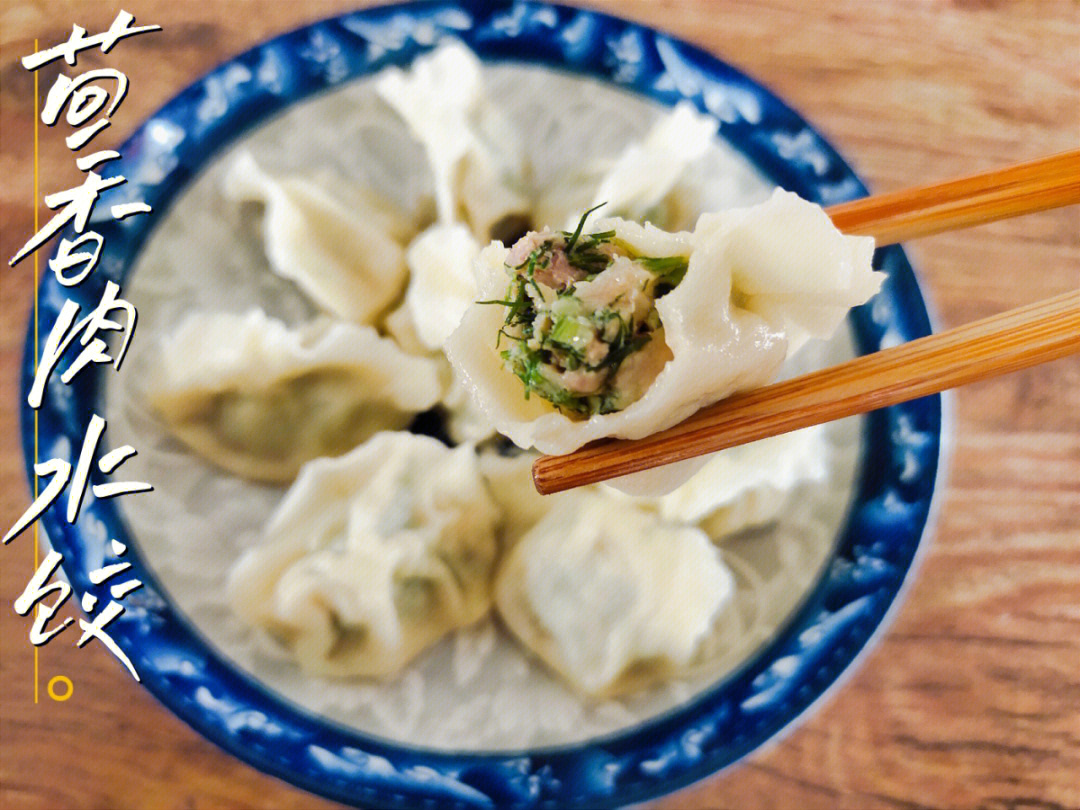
[
  {"x": 1010, "y": 341},
  {"x": 1025, "y": 188}
]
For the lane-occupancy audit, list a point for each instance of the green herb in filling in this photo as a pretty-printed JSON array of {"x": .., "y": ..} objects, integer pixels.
[{"x": 578, "y": 305}]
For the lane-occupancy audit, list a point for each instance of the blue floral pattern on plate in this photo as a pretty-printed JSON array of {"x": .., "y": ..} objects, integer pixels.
[{"x": 875, "y": 551}]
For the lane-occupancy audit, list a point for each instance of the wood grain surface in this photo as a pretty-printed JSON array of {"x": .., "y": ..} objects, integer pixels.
[{"x": 972, "y": 698}]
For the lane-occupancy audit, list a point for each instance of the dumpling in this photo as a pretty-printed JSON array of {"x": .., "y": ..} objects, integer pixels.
[
  {"x": 625, "y": 330},
  {"x": 372, "y": 557},
  {"x": 646, "y": 172},
  {"x": 509, "y": 478},
  {"x": 259, "y": 398},
  {"x": 442, "y": 281},
  {"x": 476, "y": 157},
  {"x": 611, "y": 596},
  {"x": 465, "y": 421},
  {"x": 641, "y": 182},
  {"x": 346, "y": 259},
  {"x": 749, "y": 485},
  {"x": 442, "y": 285}
]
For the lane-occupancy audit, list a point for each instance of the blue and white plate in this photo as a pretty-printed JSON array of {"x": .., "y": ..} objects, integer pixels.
[{"x": 877, "y": 541}]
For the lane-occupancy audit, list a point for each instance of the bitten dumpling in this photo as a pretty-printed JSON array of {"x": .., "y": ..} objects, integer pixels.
[
  {"x": 372, "y": 557},
  {"x": 346, "y": 259},
  {"x": 611, "y": 596},
  {"x": 624, "y": 330},
  {"x": 259, "y": 398}
]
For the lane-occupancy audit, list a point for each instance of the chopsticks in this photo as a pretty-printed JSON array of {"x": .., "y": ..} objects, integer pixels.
[
  {"x": 1025, "y": 188},
  {"x": 1010, "y": 341}
]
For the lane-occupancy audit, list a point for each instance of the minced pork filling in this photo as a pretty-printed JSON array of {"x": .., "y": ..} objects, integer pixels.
[{"x": 581, "y": 327}]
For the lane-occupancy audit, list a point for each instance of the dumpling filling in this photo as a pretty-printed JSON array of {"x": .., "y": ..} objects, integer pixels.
[{"x": 581, "y": 318}]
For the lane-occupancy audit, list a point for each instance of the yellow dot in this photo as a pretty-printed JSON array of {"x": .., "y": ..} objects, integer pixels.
[{"x": 68, "y": 689}]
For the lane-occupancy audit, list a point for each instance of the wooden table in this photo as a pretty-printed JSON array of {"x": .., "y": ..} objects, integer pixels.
[{"x": 972, "y": 699}]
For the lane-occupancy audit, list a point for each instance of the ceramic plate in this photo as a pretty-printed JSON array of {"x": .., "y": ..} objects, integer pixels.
[{"x": 877, "y": 542}]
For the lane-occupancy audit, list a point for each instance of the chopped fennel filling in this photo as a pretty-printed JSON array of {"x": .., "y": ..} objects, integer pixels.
[{"x": 581, "y": 322}]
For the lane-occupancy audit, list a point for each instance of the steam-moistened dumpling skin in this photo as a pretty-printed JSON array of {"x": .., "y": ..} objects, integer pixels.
[
  {"x": 442, "y": 281},
  {"x": 260, "y": 399},
  {"x": 712, "y": 337},
  {"x": 791, "y": 265},
  {"x": 476, "y": 158},
  {"x": 611, "y": 596},
  {"x": 345, "y": 258},
  {"x": 749, "y": 485},
  {"x": 372, "y": 557}
]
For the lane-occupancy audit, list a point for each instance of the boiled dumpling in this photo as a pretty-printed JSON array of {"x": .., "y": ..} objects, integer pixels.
[
  {"x": 346, "y": 259},
  {"x": 442, "y": 285},
  {"x": 442, "y": 281},
  {"x": 259, "y": 398},
  {"x": 465, "y": 421},
  {"x": 626, "y": 330},
  {"x": 611, "y": 596},
  {"x": 372, "y": 557},
  {"x": 645, "y": 173},
  {"x": 509, "y": 477},
  {"x": 641, "y": 183},
  {"x": 749, "y": 485},
  {"x": 476, "y": 158}
]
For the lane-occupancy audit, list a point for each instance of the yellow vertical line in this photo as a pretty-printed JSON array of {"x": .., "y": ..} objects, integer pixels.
[{"x": 35, "y": 349}]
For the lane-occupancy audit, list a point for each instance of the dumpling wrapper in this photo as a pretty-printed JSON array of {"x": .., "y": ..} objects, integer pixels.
[
  {"x": 760, "y": 282},
  {"x": 611, "y": 596},
  {"x": 476, "y": 158},
  {"x": 259, "y": 399},
  {"x": 792, "y": 266},
  {"x": 345, "y": 259},
  {"x": 372, "y": 557}
]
